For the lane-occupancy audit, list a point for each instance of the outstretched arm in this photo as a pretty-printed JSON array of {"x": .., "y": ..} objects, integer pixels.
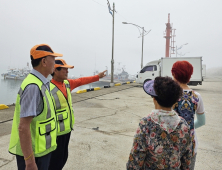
[{"x": 85, "y": 80}]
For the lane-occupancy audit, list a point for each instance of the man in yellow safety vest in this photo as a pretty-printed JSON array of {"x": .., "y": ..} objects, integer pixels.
[{"x": 34, "y": 129}]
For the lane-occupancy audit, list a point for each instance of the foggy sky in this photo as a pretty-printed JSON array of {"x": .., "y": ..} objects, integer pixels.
[{"x": 82, "y": 31}]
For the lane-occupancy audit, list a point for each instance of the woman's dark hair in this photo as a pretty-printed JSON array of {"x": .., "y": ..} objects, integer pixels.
[
  {"x": 168, "y": 91},
  {"x": 58, "y": 68}
]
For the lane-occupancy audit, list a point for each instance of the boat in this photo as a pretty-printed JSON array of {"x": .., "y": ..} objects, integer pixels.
[
  {"x": 119, "y": 76},
  {"x": 16, "y": 74},
  {"x": 123, "y": 75}
]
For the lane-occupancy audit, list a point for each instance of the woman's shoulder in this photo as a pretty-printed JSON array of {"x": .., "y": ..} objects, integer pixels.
[
  {"x": 182, "y": 122},
  {"x": 193, "y": 91},
  {"x": 196, "y": 93},
  {"x": 197, "y": 96},
  {"x": 146, "y": 120}
]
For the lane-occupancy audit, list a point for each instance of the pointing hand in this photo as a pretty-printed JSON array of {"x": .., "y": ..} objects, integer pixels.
[{"x": 102, "y": 74}]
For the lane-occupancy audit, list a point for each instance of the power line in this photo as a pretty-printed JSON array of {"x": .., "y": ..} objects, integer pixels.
[
  {"x": 99, "y": 3},
  {"x": 122, "y": 16}
]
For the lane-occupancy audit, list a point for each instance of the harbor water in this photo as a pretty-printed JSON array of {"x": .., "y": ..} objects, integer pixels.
[{"x": 9, "y": 89}]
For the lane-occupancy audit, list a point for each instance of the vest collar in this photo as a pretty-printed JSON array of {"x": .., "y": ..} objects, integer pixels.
[{"x": 40, "y": 76}]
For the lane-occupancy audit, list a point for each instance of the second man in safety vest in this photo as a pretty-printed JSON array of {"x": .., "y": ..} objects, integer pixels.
[{"x": 61, "y": 88}]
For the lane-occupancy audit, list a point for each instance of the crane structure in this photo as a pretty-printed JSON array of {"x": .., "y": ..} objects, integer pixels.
[
  {"x": 172, "y": 41},
  {"x": 169, "y": 35}
]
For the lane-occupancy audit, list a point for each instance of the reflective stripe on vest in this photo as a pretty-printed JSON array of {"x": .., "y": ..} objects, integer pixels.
[
  {"x": 56, "y": 97},
  {"x": 43, "y": 89},
  {"x": 67, "y": 86},
  {"x": 58, "y": 107},
  {"x": 48, "y": 137},
  {"x": 61, "y": 123}
]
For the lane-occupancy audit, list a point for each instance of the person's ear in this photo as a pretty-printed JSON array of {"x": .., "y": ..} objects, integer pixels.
[
  {"x": 55, "y": 70},
  {"x": 43, "y": 62}
]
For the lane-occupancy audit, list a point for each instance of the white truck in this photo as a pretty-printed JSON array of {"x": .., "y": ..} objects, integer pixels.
[{"x": 163, "y": 68}]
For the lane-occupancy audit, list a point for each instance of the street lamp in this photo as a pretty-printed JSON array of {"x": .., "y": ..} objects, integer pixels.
[
  {"x": 180, "y": 48},
  {"x": 141, "y": 35}
]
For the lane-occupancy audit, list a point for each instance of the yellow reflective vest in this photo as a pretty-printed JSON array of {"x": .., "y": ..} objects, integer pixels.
[
  {"x": 64, "y": 109},
  {"x": 43, "y": 127}
]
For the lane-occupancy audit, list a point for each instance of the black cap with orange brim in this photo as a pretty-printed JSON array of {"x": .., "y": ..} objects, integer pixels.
[{"x": 62, "y": 63}]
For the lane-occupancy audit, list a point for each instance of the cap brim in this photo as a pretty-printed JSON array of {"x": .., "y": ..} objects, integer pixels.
[
  {"x": 56, "y": 54},
  {"x": 64, "y": 66},
  {"x": 148, "y": 88}
]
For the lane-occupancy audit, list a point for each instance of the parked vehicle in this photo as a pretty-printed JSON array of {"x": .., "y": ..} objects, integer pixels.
[{"x": 163, "y": 67}]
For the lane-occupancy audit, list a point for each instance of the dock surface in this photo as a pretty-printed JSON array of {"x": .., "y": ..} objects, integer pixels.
[{"x": 106, "y": 121}]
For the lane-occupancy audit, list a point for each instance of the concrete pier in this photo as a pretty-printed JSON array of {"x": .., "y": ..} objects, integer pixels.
[{"x": 106, "y": 121}]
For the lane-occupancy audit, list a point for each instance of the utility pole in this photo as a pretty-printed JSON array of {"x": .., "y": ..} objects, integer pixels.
[
  {"x": 112, "y": 61},
  {"x": 142, "y": 48}
]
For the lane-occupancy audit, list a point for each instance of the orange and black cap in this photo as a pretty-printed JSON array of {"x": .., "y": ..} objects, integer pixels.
[
  {"x": 43, "y": 50},
  {"x": 62, "y": 63}
]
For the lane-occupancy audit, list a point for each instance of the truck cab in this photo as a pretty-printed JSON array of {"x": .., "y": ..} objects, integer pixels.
[{"x": 149, "y": 72}]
